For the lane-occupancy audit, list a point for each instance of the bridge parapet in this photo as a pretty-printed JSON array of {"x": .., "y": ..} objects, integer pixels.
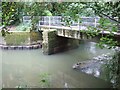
[
  {"x": 72, "y": 34},
  {"x": 68, "y": 32}
]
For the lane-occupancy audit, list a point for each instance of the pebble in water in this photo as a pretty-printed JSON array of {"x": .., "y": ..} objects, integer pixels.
[
  {"x": 66, "y": 85},
  {"x": 13, "y": 47},
  {"x": 27, "y": 47},
  {"x": 35, "y": 46},
  {"x": 20, "y": 47}
]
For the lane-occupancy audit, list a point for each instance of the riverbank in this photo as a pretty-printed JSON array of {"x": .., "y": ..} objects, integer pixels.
[
  {"x": 105, "y": 66},
  {"x": 93, "y": 66}
]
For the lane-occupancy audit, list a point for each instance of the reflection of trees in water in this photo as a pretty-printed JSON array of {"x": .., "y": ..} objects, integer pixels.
[{"x": 113, "y": 70}]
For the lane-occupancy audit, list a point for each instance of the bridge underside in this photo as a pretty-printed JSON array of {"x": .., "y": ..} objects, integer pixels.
[
  {"x": 55, "y": 41},
  {"x": 52, "y": 43},
  {"x": 74, "y": 34}
]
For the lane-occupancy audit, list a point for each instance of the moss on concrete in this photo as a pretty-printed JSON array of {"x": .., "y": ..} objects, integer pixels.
[{"x": 53, "y": 43}]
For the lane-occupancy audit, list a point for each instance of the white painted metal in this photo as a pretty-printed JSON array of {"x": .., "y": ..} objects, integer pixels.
[{"x": 56, "y": 21}]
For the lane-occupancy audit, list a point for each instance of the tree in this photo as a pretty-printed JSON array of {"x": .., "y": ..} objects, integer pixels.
[
  {"x": 110, "y": 18},
  {"x": 108, "y": 11},
  {"x": 10, "y": 13}
]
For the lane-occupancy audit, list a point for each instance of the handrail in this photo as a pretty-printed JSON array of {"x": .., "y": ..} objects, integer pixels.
[{"x": 57, "y": 20}]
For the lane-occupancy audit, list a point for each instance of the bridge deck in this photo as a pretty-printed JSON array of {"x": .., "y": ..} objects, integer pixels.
[
  {"x": 80, "y": 28},
  {"x": 64, "y": 27}
]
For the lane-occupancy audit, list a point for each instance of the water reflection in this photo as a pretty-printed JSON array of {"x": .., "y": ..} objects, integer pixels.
[
  {"x": 23, "y": 67},
  {"x": 92, "y": 47}
]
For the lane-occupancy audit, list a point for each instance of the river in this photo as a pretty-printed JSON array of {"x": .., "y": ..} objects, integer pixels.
[{"x": 24, "y": 67}]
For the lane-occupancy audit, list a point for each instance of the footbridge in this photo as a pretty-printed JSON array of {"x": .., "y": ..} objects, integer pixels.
[
  {"x": 57, "y": 36},
  {"x": 56, "y": 40},
  {"x": 74, "y": 32}
]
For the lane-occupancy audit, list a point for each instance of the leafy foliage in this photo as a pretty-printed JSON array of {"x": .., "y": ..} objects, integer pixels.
[
  {"x": 111, "y": 28},
  {"x": 71, "y": 11},
  {"x": 112, "y": 69},
  {"x": 9, "y": 13}
]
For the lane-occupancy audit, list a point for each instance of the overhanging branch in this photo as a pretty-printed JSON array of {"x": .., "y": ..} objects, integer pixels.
[{"x": 110, "y": 17}]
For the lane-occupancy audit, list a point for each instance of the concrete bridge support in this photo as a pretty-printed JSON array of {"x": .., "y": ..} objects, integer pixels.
[{"x": 52, "y": 43}]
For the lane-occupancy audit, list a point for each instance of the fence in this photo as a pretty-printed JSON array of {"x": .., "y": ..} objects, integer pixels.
[
  {"x": 26, "y": 19},
  {"x": 57, "y": 21}
]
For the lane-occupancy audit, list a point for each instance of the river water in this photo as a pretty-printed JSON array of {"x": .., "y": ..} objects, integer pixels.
[{"x": 24, "y": 67}]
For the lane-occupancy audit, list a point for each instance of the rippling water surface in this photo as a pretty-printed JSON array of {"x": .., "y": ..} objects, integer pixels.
[{"x": 24, "y": 67}]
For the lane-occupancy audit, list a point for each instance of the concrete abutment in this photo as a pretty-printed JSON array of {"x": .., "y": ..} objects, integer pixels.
[{"x": 52, "y": 43}]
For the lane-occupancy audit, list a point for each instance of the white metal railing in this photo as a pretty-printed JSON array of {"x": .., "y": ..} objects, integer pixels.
[
  {"x": 50, "y": 20},
  {"x": 57, "y": 21},
  {"x": 26, "y": 19}
]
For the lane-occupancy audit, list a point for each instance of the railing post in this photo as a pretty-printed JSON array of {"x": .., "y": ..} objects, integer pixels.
[
  {"x": 95, "y": 22},
  {"x": 39, "y": 21},
  {"x": 78, "y": 24},
  {"x": 49, "y": 22}
]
